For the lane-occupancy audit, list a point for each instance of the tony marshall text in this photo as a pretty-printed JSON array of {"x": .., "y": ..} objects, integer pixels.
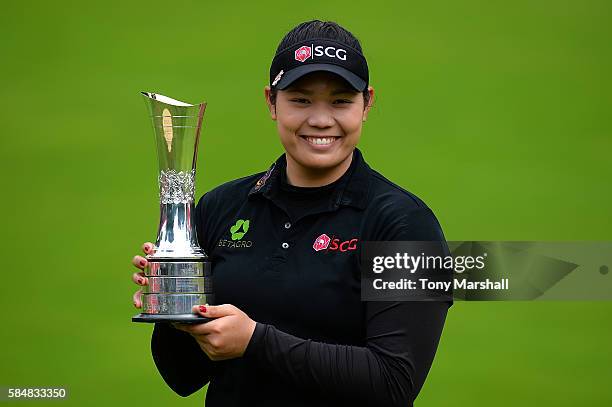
[{"x": 426, "y": 284}]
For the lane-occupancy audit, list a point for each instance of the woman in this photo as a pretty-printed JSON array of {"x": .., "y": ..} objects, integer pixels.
[{"x": 291, "y": 329}]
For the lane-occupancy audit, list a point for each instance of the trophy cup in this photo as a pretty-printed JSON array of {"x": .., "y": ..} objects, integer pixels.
[{"x": 179, "y": 272}]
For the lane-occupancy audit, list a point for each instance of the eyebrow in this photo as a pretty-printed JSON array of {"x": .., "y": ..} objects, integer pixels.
[{"x": 335, "y": 92}]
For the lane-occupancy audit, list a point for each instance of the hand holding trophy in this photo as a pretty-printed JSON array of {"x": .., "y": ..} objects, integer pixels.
[{"x": 178, "y": 270}]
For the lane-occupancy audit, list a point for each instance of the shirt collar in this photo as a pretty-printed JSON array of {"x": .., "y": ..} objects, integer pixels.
[{"x": 352, "y": 191}]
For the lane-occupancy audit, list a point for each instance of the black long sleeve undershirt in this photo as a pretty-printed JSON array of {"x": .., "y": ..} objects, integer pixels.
[
  {"x": 181, "y": 362},
  {"x": 389, "y": 370}
]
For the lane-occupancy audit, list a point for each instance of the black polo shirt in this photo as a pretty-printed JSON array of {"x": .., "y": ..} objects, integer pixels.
[{"x": 289, "y": 257}]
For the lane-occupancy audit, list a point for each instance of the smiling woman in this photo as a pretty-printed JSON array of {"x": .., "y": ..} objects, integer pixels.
[
  {"x": 289, "y": 326},
  {"x": 319, "y": 121}
]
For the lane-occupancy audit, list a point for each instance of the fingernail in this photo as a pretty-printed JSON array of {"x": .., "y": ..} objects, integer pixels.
[
  {"x": 143, "y": 262},
  {"x": 135, "y": 304},
  {"x": 202, "y": 308},
  {"x": 140, "y": 280}
]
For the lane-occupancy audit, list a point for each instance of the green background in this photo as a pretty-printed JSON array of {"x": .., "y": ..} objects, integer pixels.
[{"x": 496, "y": 113}]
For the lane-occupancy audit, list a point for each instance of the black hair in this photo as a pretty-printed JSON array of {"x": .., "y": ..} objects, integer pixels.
[{"x": 319, "y": 29}]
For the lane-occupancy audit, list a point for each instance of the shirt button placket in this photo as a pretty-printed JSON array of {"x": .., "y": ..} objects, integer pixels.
[{"x": 285, "y": 245}]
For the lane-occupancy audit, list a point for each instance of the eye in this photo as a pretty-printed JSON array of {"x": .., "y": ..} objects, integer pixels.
[
  {"x": 342, "y": 101},
  {"x": 300, "y": 100}
]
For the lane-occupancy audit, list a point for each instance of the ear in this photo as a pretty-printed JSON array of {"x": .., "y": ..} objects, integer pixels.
[
  {"x": 271, "y": 107},
  {"x": 366, "y": 110}
]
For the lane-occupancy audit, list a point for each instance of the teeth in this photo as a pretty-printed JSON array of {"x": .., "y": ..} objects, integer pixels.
[{"x": 320, "y": 140}]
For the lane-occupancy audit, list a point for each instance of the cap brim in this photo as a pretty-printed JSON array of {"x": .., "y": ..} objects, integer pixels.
[{"x": 290, "y": 76}]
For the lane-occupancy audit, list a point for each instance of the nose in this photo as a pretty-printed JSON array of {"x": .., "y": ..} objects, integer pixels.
[{"x": 320, "y": 117}]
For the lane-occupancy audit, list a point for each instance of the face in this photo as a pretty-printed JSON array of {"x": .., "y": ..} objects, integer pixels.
[{"x": 319, "y": 119}]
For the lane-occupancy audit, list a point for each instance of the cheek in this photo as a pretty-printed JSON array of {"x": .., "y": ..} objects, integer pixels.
[
  {"x": 351, "y": 122},
  {"x": 289, "y": 122}
]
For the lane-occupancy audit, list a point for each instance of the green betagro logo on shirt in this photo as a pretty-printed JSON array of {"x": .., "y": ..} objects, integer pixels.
[{"x": 239, "y": 229}]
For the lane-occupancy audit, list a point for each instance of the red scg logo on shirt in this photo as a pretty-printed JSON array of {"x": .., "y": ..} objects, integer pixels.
[
  {"x": 321, "y": 242},
  {"x": 334, "y": 244}
]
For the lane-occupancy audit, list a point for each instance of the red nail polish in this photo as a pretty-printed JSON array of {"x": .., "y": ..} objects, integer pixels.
[
  {"x": 140, "y": 280},
  {"x": 202, "y": 308},
  {"x": 142, "y": 262}
]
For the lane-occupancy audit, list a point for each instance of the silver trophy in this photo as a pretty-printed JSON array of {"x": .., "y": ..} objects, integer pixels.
[{"x": 179, "y": 272}]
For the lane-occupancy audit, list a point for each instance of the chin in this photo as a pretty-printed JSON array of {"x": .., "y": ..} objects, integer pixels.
[{"x": 319, "y": 162}]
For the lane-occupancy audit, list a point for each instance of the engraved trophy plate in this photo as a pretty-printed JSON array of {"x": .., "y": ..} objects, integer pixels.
[{"x": 179, "y": 272}]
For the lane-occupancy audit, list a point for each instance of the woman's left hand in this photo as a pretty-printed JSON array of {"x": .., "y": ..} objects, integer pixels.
[{"x": 225, "y": 337}]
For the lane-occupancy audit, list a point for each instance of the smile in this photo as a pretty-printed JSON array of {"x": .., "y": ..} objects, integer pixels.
[{"x": 320, "y": 141}]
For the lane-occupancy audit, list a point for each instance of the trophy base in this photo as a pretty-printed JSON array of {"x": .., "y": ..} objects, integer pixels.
[{"x": 182, "y": 318}]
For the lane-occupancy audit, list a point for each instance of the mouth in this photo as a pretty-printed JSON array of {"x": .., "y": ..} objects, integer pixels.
[{"x": 320, "y": 141}]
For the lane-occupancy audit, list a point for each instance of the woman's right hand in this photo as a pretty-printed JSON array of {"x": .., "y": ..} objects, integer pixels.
[{"x": 139, "y": 277}]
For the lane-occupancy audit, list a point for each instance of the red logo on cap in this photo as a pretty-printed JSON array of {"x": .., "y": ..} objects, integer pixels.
[{"x": 302, "y": 53}]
